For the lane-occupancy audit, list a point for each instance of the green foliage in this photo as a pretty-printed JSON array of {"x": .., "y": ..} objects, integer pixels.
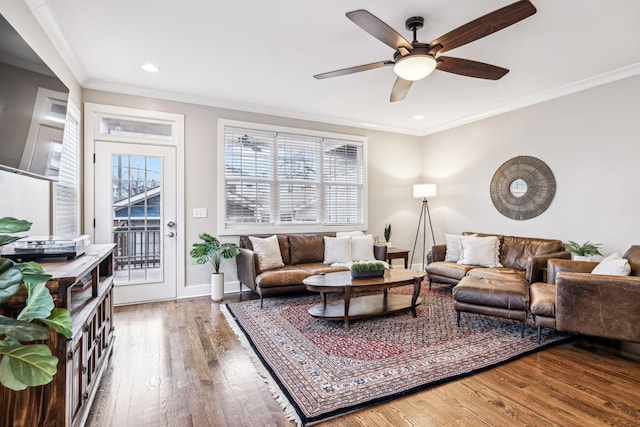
[
  {"x": 27, "y": 365},
  {"x": 387, "y": 232},
  {"x": 22, "y": 331},
  {"x": 211, "y": 250},
  {"x": 60, "y": 321},
  {"x": 10, "y": 279},
  {"x": 367, "y": 266},
  {"x": 586, "y": 249}
]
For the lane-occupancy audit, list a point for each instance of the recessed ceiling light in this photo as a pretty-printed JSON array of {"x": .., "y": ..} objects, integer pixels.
[
  {"x": 418, "y": 117},
  {"x": 150, "y": 68}
]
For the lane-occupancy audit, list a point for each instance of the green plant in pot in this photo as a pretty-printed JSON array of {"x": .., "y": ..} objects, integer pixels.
[
  {"x": 582, "y": 251},
  {"x": 211, "y": 250},
  {"x": 24, "y": 363},
  {"x": 387, "y": 234}
]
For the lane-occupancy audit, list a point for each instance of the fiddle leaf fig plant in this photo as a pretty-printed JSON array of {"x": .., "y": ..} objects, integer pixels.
[
  {"x": 209, "y": 249},
  {"x": 22, "y": 363}
]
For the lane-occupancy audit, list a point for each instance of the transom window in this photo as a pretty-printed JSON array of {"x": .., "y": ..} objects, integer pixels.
[{"x": 291, "y": 177}]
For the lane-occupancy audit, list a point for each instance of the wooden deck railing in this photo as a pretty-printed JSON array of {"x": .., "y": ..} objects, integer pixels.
[{"x": 138, "y": 247}]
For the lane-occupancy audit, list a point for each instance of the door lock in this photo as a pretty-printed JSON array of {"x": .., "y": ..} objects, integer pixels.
[
  {"x": 171, "y": 224},
  {"x": 171, "y": 234}
]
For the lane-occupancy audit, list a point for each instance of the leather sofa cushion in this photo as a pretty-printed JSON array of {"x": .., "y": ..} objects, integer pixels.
[
  {"x": 509, "y": 294},
  {"x": 293, "y": 274},
  {"x": 497, "y": 273},
  {"x": 516, "y": 250},
  {"x": 286, "y": 275},
  {"x": 543, "y": 299},
  {"x": 449, "y": 269},
  {"x": 306, "y": 248}
]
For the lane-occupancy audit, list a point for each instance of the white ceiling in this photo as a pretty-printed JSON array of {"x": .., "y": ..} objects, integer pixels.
[{"x": 260, "y": 56}]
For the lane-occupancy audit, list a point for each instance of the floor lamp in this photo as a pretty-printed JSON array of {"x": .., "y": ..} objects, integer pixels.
[{"x": 422, "y": 191}]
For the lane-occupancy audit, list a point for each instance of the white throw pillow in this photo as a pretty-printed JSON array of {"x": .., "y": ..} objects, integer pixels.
[
  {"x": 452, "y": 253},
  {"x": 483, "y": 251},
  {"x": 337, "y": 250},
  {"x": 268, "y": 252},
  {"x": 362, "y": 248},
  {"x": 613, "y": 265},
  {"x": 349, "y": 233}
]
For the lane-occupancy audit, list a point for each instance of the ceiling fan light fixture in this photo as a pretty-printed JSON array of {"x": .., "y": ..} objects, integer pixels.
[
  {"x": 414, "y": 67},
  {"x": 151, "y": 68}
]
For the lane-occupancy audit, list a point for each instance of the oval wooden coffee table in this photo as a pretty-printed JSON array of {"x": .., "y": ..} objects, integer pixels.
[{"x": 367, "y": 305}]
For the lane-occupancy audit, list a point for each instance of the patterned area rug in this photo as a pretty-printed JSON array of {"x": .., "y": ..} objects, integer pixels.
[{"x": 319, "y": 370}]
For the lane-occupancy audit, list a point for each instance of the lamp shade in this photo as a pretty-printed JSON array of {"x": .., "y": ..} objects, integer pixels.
[
  {"x": 422, "y": 191},
  {"x": 414, "y": 67}
]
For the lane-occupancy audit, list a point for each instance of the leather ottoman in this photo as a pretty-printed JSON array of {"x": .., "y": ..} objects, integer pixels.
[
  {"x": 493, "y": 297},
  {"x": 543, "y": 306}
]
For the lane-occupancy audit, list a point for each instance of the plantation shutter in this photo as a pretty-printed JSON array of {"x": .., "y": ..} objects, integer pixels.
[
  {"x": 66, "y": 201},
  {"x": 275, "y": 178},
  {"x": 249, "y": 176},
  {"x": 298, "y": 179},
  {"x": 343, "y": 182}
]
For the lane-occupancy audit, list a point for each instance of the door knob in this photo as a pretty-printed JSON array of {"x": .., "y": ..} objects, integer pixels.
[
  {"x": 171, "y": 234},
  {"x": 171, "y": 224}
]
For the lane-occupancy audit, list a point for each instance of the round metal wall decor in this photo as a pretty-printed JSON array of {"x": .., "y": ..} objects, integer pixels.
[{"x": 523, "y": 188}]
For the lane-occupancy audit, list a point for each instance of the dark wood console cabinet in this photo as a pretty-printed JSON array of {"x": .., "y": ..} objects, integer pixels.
[{"x": 85, "y": 287}]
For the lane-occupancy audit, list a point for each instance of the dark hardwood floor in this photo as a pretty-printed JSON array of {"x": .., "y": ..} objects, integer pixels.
[{"x": 177, "y": 363}]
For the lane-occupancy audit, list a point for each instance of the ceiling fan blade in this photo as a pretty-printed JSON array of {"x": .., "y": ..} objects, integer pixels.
[
  {"x": 400, "y": 89},
  {"x": 352, "y": 70},
  {"x": 378, "y": 29},
  {"x": 469, "y": 68},
  {"x": 485, "y": 25}
]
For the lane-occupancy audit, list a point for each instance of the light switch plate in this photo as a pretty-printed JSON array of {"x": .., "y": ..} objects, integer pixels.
[{"x": 199, "y": 212}]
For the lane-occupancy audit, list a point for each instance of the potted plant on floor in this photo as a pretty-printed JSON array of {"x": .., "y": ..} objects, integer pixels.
[
  {"x": 582, "y": 252},
  {"x": 209, "y": 249}
]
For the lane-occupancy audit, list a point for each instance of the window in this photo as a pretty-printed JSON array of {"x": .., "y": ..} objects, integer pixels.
[
  {"x": 300, "y": 179},
  {"x": 67, "y": 203}
]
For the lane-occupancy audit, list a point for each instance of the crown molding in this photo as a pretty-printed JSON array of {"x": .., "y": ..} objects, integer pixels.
[
  {"x": 270, "y": 110},
  {"x": 42, "y": 12},
  {"x": 537, "y": 98}
]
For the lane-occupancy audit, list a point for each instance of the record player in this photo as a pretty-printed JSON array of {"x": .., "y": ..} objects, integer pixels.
[{"x": 38, "y": 247}]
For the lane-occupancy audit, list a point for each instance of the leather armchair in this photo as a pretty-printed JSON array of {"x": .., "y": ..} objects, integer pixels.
[{"x": 590, "y": 304}]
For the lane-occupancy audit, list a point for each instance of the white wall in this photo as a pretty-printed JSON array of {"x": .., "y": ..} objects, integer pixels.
[
  {"x": 590, "y": 140},
  {"x": 26, "y": 198},
  {"x": 393, "y": 168}
]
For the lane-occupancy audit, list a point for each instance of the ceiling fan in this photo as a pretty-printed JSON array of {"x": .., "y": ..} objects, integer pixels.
[{"x": 415, "y": 60}]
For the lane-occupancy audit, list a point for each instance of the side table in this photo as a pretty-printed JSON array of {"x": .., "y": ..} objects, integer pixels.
[{"x": 397, "y": 253}]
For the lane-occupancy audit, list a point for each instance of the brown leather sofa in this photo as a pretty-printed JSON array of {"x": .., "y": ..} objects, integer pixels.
[
  {"x": 302, "y": 255},
  {"x": 574, "y": 300},
  {"x": 521, "y": 257}
]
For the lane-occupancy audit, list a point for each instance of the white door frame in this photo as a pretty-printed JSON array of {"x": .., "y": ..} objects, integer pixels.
[{"x": 93, "y": 113}]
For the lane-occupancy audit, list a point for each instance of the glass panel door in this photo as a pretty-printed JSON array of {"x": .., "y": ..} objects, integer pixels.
[{"x": 136, "y": 209}]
